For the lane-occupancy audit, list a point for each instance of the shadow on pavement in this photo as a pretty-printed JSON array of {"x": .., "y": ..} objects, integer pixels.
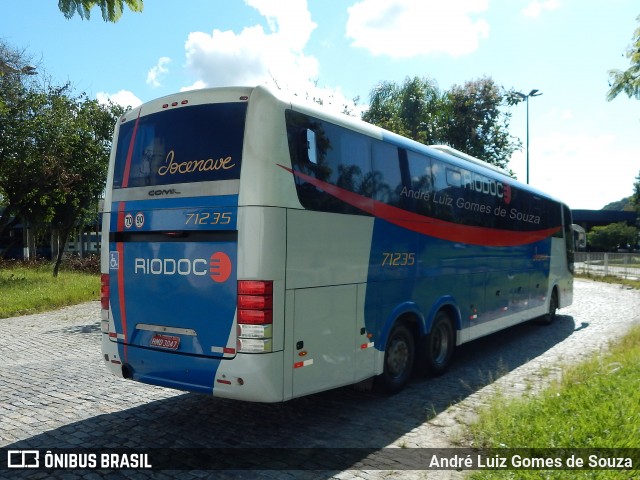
[{"x": 343, "y": 418}]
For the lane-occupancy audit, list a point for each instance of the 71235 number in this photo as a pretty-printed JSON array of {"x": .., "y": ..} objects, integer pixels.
[
  {"x": 398, "y": 259},
  {"x": 208, "y": 218}
]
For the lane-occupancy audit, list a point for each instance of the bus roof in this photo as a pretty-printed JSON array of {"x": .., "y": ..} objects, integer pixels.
[
  {"x": 469, "y": 158},
  {"x": 443, "y": 152}
]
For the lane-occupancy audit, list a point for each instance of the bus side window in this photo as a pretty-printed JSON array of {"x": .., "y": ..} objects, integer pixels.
[
  {"x": 312, "y": 147},
  {"x": 386, "y": 176}
]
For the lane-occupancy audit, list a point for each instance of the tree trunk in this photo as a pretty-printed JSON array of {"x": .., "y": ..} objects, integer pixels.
[{"x": 63, "y": 236}]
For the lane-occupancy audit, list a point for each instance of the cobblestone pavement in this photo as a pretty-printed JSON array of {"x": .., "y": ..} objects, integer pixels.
[{"x": 55, "y": 393}]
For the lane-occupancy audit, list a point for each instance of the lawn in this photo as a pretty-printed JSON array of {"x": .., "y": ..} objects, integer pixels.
[
  {"x": 595, "y": 405},
  {"x": 31, "y": 288}
]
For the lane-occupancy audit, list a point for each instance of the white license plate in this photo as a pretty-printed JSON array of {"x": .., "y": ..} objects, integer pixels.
[{"x": 165, "y": 341}]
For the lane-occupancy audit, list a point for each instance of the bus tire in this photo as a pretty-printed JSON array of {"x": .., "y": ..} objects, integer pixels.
[
  {"x": 398, "y": 359},
  {"x": 550, "y": 316},
  {"x": 439, "y": 344}
]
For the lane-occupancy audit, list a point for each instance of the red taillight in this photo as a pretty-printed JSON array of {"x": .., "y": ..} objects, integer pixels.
[
  {"x": 255, "y": 302},
  {"x": 104, "y": 291},
  {"x": 255, "y": 287},
  {"x": 255, "y": 316}
]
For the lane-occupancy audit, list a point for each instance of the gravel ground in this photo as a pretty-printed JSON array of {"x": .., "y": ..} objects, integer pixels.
[{"x": 56, "y": 393}]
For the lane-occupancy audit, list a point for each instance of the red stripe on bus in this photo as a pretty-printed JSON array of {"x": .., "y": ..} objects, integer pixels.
[
  {"x": 453, "y": 232},
  {"x": 127, "y": 165},
  {"x": 120, "y": 249}
]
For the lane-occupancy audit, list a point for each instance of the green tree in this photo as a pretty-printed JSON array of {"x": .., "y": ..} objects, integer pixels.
[
  {"x": 635, "y": 199},
  {"x": 111, "y": 9},
  {"x": 16, "y": 97},
  {"x": 54, "y": 152},
  {"x": 470, "y": 118},
  {"x": 476, "y": 123},
  {"x": 613, "y": 236},
  {"x": 77, "y": 147},
  {"x": 627, "y": 81},
  {"x": 414, "y": 109}
]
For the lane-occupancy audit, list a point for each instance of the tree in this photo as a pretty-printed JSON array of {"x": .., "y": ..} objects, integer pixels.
[
  {"x": 111, "y": 9},
  {"x": 79, "y": 149},
  {"x": 476, "y": 124},
  {"x": 414, "y": 109},
  {"x": 627, "y": 81},
  {"x": 635, "y": 199},
  {"x": 468, "y": 118},
  {"x": 613, "y": 236},
  {"x": 54, "y": 152},
  {"x": 16, "y": 85},
  {"x": 619, "y": 206}
]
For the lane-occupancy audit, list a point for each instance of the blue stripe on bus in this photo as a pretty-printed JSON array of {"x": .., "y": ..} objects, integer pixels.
[
  {"x": 489, "y": 282},
  {"x": 199, "y": 213}
]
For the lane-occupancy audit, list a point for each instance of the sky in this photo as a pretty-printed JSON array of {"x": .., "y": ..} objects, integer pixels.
[{"x": 582, "y": 149}]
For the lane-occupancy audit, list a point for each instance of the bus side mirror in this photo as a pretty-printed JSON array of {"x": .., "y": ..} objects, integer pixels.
[{"x": 312, "y": 152}]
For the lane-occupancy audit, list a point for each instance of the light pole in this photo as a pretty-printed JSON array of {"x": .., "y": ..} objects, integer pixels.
[{"x": 532, "y": 93}]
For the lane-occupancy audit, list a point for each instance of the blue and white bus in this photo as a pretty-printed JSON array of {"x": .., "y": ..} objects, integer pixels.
[{"x": 261, "y": 249}]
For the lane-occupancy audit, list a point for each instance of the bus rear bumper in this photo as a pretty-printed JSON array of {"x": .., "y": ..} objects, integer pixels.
[{"x": 249, "y": 377}]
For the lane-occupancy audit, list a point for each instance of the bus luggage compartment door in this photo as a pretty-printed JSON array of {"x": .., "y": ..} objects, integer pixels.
[{"x": 324, "y": 338}]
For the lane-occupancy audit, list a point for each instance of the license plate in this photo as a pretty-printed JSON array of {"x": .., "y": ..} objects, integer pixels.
[{"x": 165, "y": 341}]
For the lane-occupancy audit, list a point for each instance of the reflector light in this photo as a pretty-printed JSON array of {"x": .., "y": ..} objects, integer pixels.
[
  {"x": 184, "y": 102},
  {"x": 174, "y": 104},
  {"x": 255, "y": 316},
  {"x": 255, "y": 302},
  {"x": 255, "y": 331},
  {"x": 255, "y": 287},
  {"x": 104, "y": 291},
  {"x": 165, "y": 105},
  {"x": 249, "y": 345}
]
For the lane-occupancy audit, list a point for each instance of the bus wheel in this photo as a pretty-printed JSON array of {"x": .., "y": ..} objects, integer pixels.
[
  {"x": 398, "y": 360},
  {"x": 548, "y": 318},
  {"x": 439, "y": 345}
]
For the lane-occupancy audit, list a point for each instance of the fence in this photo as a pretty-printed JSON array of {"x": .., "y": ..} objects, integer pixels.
[{"x": 625, "y": 265}]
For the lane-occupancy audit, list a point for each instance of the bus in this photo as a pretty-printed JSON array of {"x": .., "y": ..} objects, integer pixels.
[{"x": 262, "y": 249}]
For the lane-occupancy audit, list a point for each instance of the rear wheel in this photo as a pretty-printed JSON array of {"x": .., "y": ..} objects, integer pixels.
[
  {"x": 553, "y": 307},
  {"x": 439, "y": 344},
  {"x": 398, "y": 359}
]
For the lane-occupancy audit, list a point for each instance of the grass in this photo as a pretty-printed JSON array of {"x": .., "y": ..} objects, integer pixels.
[
  {"x": 31, "y": 288},
  {"x": 596, "y": 404},
  {"x": 611, "y": 279}
]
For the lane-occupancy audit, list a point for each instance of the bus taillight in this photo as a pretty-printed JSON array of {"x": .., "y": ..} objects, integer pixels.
[
  {"x": 255, "y": 316},
  {"x": 104, "y": 291}
]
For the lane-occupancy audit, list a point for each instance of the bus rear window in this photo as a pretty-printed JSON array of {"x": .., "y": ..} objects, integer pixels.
[{"x": 189, "y": 144}]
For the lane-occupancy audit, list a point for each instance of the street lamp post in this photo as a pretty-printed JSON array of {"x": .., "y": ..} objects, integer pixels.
[{"x": 532, "y": 93}]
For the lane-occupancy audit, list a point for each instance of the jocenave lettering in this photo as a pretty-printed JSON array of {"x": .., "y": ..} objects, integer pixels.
[{"x": 189, "y": 166}]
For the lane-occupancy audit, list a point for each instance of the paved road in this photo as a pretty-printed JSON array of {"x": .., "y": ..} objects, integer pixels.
[{"x": 55, "y": 393}]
